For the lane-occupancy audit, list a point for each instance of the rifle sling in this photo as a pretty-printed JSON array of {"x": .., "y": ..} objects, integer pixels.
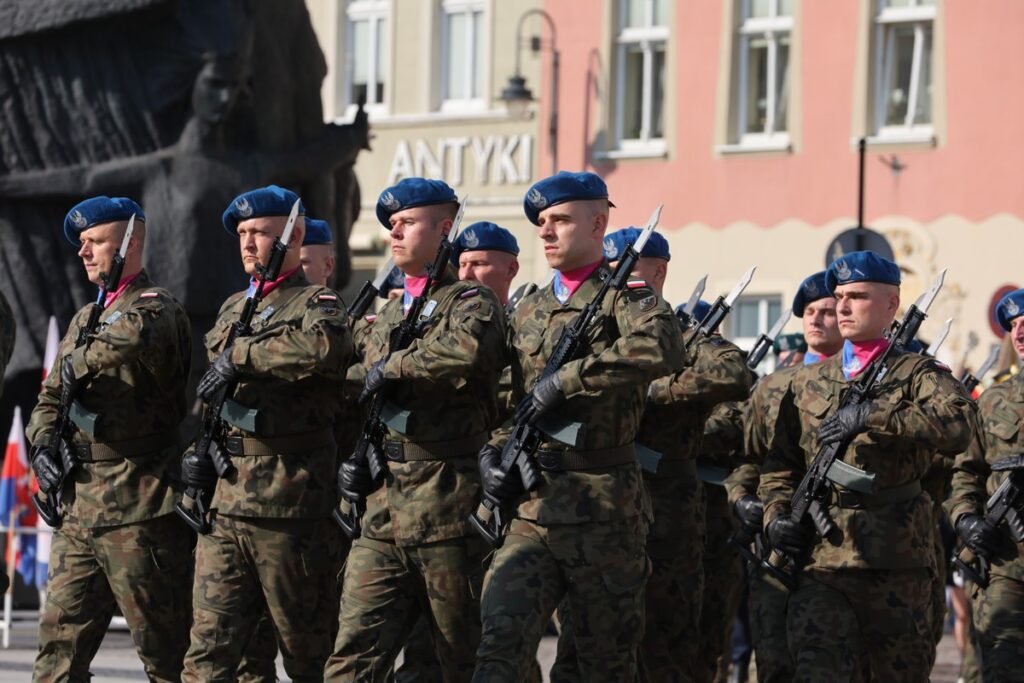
[
  {"x": 129, "y": 448},
  {"x": 852, "y": 500}
]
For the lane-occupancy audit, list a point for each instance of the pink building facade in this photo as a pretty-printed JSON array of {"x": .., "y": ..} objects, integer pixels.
[{"x": 742, "y": 117}]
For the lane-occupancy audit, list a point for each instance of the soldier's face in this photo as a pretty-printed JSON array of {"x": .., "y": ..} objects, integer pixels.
[
  {"x": 256, "y": 241},
  {"x": 1017, "y": 335},
  {"x": 865, "y": 310},
  {"x": 495, "y": 269},
  {"x": 317, "y": 262},
  {"x": 821, "y": 328},
  {"x": 573, "y": 233},
  {"x": 415, "y": 236},
  {"x": 99, "y": 245}
]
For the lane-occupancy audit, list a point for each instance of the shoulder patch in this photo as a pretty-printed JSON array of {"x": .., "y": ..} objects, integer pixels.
[
  {"x": 469, "y": 292},
  {"x": 636, "y": 284},
  {"x": 470, "y": 307},
  {"x": 371, "y": 319},
  {"x": 648, "y": 302},
  {"x": 149, "y": 295},
  {"x": 327, "y": 297}
]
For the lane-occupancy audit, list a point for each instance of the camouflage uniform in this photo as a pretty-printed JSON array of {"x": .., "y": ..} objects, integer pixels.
[
  {"x": 582, "y": 532},
  {"x": 273, "y": 545},
  {"x": 997, "y": 609},
  {"x": 674, "y": 416},
  {"x": 7, "y": 328},
  {"x": 768, "y": 597},
  {"x": 417, "y": 554},
  {"x": 723, "y": 571},
  {"x": 880, "y": 575},
  {"x": 120, "y": 543}
]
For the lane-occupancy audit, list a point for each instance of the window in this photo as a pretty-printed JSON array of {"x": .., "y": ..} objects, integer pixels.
[
  {"x": 640, "y": 65},
  {"x": 365, "y": 38},
  {"x": 463, "y": 58},
  {"x": 752, "y": 316},
  {"x": 903, "y": 68},
  {"x": 762, "y": 97}
]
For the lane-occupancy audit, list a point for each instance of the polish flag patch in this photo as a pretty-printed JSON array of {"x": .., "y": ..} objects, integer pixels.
[
  {"x": 370, "y": 319},
  {"x": 468, "y": 293},
  {"x": 636, "y": 284},
  {"x": 149, "y": 295},
  {"x": 327, "y": 297}
]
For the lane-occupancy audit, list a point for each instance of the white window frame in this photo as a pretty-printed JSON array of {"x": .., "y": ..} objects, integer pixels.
[
  {"x": 373, "y": 11},
  {"x": 764, "y": 323},
  {"x": 644, "y": 36},
  {"x": 888, "y": 17},
  {"x": 771, "y": 28},
  {"x": 472, "y": 104}
]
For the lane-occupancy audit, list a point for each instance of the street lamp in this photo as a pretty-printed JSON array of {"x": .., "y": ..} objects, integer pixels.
[{"x": 517, "y": 96}]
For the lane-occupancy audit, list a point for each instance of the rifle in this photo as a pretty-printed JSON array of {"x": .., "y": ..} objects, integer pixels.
[
  {"x": 369, "y": 291},
  {"x": 812, "y": 496},
  {"x": 349, "y": 513},
  {"x": 686, "y": 314},
  {"x": 716, "y": 314},
  {"x": 194, "y": 507},
  {"x": 1004, "y": 505},
  {"x": 525, "y": 439},
  {"x": 766, "y": 340},
  {"x": 49, "y": 507},
  {"x": 970, "y": 381}
]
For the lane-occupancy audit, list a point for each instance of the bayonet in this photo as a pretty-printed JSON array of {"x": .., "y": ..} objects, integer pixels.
[
  {"x": 970, "y": 381},
  {"x": 698, "y": 292},
  {"x": 652, "y": 223},
  {"x": 943, "y": 333},
  {"x": 711, "y": 322},
  {"x": 765, "y": 341},
  {"x": 740, "y": 286}
]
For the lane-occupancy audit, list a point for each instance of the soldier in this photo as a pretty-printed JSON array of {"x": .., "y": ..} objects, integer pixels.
[
  {"x": 417, "y": 553},
  {"x": 582, "y": 532},
  {"x": 997, "y": 608},
  {"x": 272, "y": 544},
  {"x": 865, "y": 601},
  {"x": 317, "y": 252},
  {"x": 489, "y": 254},
  {"x": 7, "y": 329},
  {"x": 816, "y": 308},
  {"x": 120, "y": 545}
]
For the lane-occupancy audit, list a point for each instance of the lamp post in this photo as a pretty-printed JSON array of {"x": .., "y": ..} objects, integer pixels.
[{"x": 517, "y": 96}]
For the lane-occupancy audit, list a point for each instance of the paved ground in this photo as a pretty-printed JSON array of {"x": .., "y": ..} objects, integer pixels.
[{"x": 117, "y": 662}]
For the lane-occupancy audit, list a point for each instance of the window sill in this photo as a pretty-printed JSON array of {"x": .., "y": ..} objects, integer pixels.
[
  {"x": 781, "y": 144},
  {"x": 653, "y": 150},
  {"x": 922, "y": 137},
  {"x": 439, "y": 118}
]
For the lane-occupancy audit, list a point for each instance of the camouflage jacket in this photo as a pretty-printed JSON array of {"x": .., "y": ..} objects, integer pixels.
[
  {"x": 759, "y": 417},
  {"x": 634, "y": 340},
  {"x": 998, "y": 435},
  {"x": 679, "y": 404},
  {"x": 7, "y": 328},
  {"x": 919, "y": 410},
  {"x": 722, "y": 441},
  {"x": 444, "y": 389},
  {"x": 290, "y": 374},
  {"x": 137, "y": 367}
]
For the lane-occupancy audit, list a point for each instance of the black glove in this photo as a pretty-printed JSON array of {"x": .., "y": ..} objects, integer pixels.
[
  {"x": 978, "y": 534},
  {"x": 844, "y": 424},
  {"x": 355, "y": 482},
  {"x": 792, "y": 538},
  {"x": 47, "y": 467},
  {"x": 498, "y": 485},
  {"x": 545, "y": 395},
  {"x": 67, "y": 375},
  {"x": 375, "y": 380},
  {"x": 220, "y": 373},
  {"x": 750, "y": 510},
  {"x": 199, "y": 472}
]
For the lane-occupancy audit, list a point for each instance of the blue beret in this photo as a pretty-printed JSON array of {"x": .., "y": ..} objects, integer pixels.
[
  {"x": 861, "y": 266},
  {"x": 811, "y": 289},
  {"x": 96, "y": 211},
  {"x": 699, "y": 311},
  {"x": 266, "y": 201},
  {"x": 916, "y": 346},
  {"x": 394, "y": 280},
  {"x": 789, "y": 342},
  {"x": 317, "y": 232},
  {"x": 615, "y": 244},
  {"x": 1010, "y": 307},
  {"x": 562, "y": 187},
  {"x": 485, "y": 235},
  {"x": 412, "y": 192}
]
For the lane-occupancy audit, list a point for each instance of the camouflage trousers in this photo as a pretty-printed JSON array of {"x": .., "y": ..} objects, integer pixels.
[
  {"x": 768, "y": 602},
  {"x": 862, "y": 624},
  {"x": 387, "y": 588},
  {"x": 601, "y": 567},
  {"x": 999, "y": 627},
  {"x": 723, "y": 588},
  {"x": 249, "y": 564},
  {"x": 144, "y": 569}
]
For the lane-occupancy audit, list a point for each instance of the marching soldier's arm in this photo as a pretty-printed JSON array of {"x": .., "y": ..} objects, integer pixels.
[
  {"x": 45, "y": 412},
  {"x": 318, "y": 343},
  {"x": 970, "y": 472},
  {"x": 722, "y": 440},
  {"x": 128, "y": 338},
  {"x": 784, "y": 462},
  {"x": 716, "y": 375},
  {"x": 941, "y": 414},
  {"x": 649, "y": 347},
  {"x": 470, "y": 343}
]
